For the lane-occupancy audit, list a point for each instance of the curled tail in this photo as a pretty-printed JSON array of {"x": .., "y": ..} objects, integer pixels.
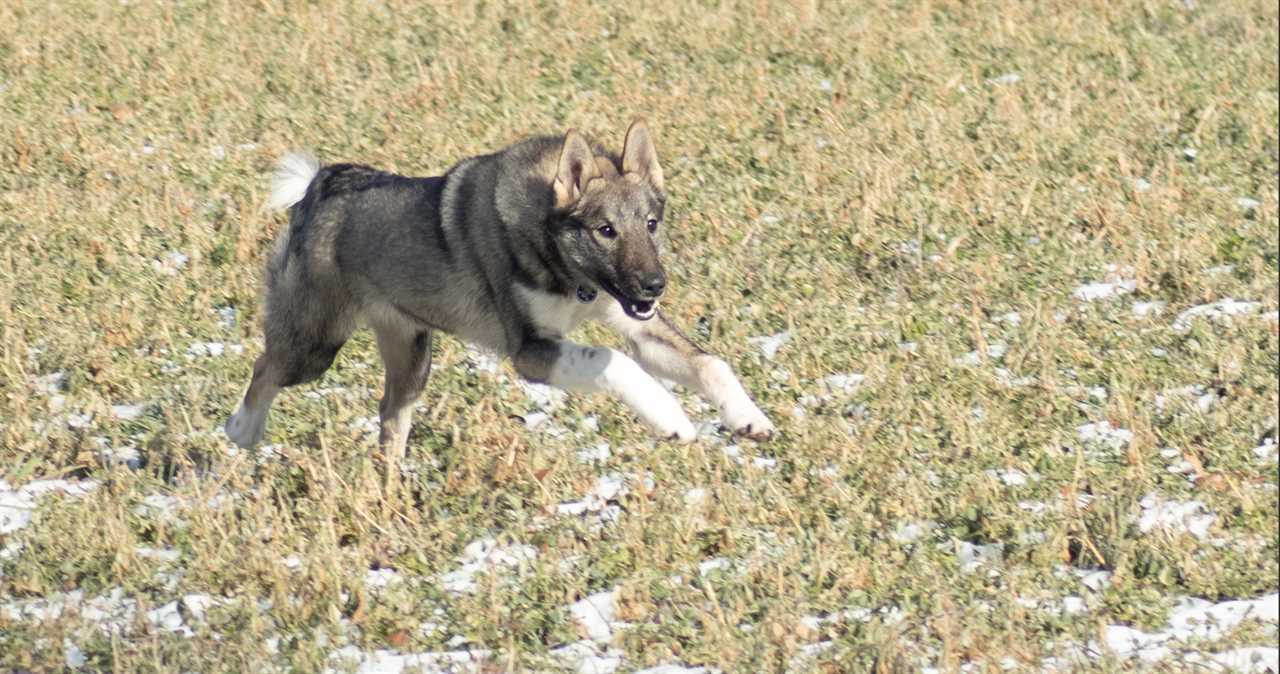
[{"x": 291, "y": 179}]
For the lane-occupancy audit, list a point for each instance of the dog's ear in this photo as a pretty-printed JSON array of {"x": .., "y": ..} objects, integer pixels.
[
  {"x": 639, "y": 156},
  {"x": 576, "y": 168}
]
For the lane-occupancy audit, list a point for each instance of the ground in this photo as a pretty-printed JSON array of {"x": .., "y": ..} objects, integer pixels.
[{"x": 1005, "y": 275}]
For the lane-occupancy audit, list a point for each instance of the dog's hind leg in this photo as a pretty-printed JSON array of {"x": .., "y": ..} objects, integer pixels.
[
  {"x": 406, "y": 355},
  {"x": 303, "y": 336},
  {"x": 247, "y": 425}
]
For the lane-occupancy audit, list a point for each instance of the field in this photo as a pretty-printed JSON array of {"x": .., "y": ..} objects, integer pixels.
[{"x": 1004, "y": 274}]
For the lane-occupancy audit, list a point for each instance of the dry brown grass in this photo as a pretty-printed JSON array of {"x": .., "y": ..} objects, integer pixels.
[{"x": 861, "y": 176}]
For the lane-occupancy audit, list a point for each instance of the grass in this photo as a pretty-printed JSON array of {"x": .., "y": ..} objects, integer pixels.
[{"x": 866, "y": 177}]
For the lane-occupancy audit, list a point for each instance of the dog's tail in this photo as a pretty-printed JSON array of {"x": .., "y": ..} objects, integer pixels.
[{"x": 292, "y": 177}]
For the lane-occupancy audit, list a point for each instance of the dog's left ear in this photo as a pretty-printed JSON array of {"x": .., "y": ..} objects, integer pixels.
[{"x": 639, "y": 156}]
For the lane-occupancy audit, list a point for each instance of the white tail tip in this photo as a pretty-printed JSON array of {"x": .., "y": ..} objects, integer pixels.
[{"x": 292, "y": 177}]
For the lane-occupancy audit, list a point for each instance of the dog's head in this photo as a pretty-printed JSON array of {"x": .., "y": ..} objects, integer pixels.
[{"x": 611, "y": 214}]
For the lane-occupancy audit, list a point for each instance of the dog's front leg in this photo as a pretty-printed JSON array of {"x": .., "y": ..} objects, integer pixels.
[
  {"x": 663, "y": 350},
  {"x": 574, "y": 367}
]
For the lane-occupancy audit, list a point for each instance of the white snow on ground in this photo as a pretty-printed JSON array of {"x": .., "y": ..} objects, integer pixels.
[
  {"x": 995, "y": 351},
  {"x": 1219, "y": 311},
  {"x": 769, "y": 344},
  {"x": 910, "y": 532},
  {"x": 1180, "y": 466},
  {"x": 843, "y": 382},
  {"x": 1012, "y": 318},
  {"x": 833, "y": 386},
  {"x": 484, "y": 556},
  {"x": 125, "y": 455},
  {"x": 596, "y": 454},
  {"x": 213, "y": 349},
  {"x": 127, "y": 412},
  {"x": 114, "y": 612},
  {"x": 1148, "y": 309},
  {"x": 164, "y": 555},
  {"x": 972, "y": 556},
  {"x": 695, "y": 496},
  {"x": 481, "y": 360},
  {"x": 1204, "y": 398},
  {"x": 1068, "y": 605},
  {"x": 544, "y": 397},
  {"x": 379, "y": 579},
  {"x": 50, "y": 384},
  {"x": 1191, "y": 517},
  {"x": 1007, "y": 78},
  {"x": 597, "y": 615},
  {"x": 1012, "y": 477},
  {"x": 1094, "y": 579},
  {"x": 710, "y": 566},
  {"x": 1194, "y": 618},
  {"x": 606, "y": 488},
  {"x": 1266, "y": 452},
  {"x": 587, "y": 657},
  {"x": 72, "y": 655},
  {"x": 390, "y": 662},
  {"x": 226, "y": 317},
  {"x": 172, "y": 262},
  {"x": 1103, "y": 433},
  {"x": 1008, "y": 379},
  {"x": 1091, "y": 292},
  {"x": 18, "y": 505}
]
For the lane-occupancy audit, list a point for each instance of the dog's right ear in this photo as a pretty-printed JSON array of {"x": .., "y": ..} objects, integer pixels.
[{"x": 576, "y": 168}]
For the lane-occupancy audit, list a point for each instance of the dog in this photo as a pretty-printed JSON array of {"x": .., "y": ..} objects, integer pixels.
[{"x": 509, "y": 251}]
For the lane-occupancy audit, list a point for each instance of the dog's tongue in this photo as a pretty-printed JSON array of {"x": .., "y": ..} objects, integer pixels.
[{"x": 641, "y": 309}]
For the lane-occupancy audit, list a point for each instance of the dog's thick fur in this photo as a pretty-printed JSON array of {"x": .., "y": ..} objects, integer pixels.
[{"x": 507, "y": 251}]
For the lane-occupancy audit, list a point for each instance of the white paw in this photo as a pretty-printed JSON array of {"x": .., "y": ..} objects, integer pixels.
[
  {"x": 746, "y": 419},
  {"x": 684, "y": 432},
  {"x": 246, "y": 429},
  {"x": 664, "y": 415}
]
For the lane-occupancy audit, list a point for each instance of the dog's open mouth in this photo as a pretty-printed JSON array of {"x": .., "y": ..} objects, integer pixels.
[{"x": 641, "y": 310}]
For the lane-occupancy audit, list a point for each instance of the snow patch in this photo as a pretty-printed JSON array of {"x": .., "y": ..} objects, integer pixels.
[
  {"x": 1012, "y": 477},
  {"x": 1103, "y": 433},
  {"x": 995, "y": 351},
  {"x": 213, "y": 349},
  {"x": 769, "y": 344},
  {"x": 1007, "y": 78},
  {"x": 597, "y": 454},
  {"x": 587, "y": 657},
  {"x": 1191, "y": 517},
  {"x": 171, "y": 263},
  {"x": 972, "y": 556},
  {"x": 1219, "y": 311},
  {"x": 17, "y": 506},
  {"x": 910, "y": 532},
  {"x": 484, "y": 556},
  {"x": 1194, "y": 618},
  {"x": 384, "y": 661},
  {"x": 1148, "y": 309},
  {"x": 1102, "y": 290},
  {"x": 597, "y": 615}
]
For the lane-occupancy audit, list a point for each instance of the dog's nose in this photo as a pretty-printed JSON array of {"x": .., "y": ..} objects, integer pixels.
[{"x": 654, "y": 285}]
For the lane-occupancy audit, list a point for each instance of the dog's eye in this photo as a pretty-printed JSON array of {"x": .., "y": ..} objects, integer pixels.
[
  {"x": 653, "y": 225},
  {"x": 608, "y": 232}
]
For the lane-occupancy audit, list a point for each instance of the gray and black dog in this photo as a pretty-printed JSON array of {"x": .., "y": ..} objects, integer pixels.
[{"x": 507, "y": 251}]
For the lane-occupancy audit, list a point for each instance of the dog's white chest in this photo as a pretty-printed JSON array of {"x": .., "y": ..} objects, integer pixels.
[{"x": 554, "y": 315}]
